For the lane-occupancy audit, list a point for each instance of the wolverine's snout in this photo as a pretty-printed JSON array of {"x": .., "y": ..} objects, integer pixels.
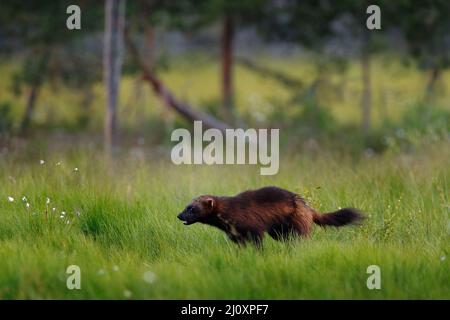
[
  {"x": 184, "y": 217},
  {"x": 188, "y": 216},
  {"x": 181, "y": 217}
]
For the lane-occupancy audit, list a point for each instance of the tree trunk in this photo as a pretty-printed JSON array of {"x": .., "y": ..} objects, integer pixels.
[
  {"x": 434, "y": 75},
  {"x": 87, "y": 99},
  {"x": 149, "y": 46},
  {"x": 35, "y": 87},
  {"x": 366, "y": 99},
  {"x": 227, "y": 65},
  {"x": 112, "y": 64},
  {"x": 30, "y": 106}
]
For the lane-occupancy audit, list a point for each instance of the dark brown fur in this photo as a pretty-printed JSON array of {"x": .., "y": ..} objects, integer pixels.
[{"x": 246, "y": 216}]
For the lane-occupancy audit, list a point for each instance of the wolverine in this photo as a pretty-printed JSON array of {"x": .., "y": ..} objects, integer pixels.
[{"x": 248, "y": 215}]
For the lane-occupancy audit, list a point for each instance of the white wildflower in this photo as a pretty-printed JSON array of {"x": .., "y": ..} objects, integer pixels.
[
  {"x": 24, "y": 199},
  {"x": 127, "y": 293},
  {"x": 41, "y": 161},
  {"x": 149, "y": 276},
  {"x": 47, "y": 201},
  {"x": 76, "y": 169},
  {"x": 10, "y": 199},
  {"x": 27, "y": 205}
]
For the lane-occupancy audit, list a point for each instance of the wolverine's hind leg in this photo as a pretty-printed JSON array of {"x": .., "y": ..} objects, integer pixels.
[
  {"x": 288, "y": 229},
  {"x": 301, "y": 228},
  {"x": 302, "y": 223},
  {"x": 302, "y": 218}
]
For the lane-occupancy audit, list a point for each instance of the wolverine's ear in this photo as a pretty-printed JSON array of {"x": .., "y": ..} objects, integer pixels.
[{"x": 210, "y": 202}]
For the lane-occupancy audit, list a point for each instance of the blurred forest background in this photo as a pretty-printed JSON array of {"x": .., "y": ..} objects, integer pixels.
[{"x": 138, "y": 69}]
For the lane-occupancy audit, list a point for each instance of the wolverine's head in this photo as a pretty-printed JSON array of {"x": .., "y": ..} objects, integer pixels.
[{"x": 198, "y": 210}]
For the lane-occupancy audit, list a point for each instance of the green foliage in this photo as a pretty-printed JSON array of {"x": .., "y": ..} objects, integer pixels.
[
  {"x": 424, "y": 28},
  {"x": 426, "y": 119},
  {"x": 243, "y": 13},
  {"x": 421, "y": 124},
  {"x": 314, "y": 120}
]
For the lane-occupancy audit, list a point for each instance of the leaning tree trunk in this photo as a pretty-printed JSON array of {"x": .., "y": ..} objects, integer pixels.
[
  {"x": 227, "y": 65},
  {"x": 366, "y": 99},
  {"x": 166, "y": 95},
  {"x": 282, "y": 78},
  {"x": 112, "y": 64}
]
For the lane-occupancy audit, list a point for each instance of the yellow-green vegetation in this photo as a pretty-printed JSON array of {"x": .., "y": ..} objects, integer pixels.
[{"x": 195, "y": 79}]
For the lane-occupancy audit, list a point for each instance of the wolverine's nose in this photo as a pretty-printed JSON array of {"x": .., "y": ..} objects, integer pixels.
[{"x": 180, "y": 216}]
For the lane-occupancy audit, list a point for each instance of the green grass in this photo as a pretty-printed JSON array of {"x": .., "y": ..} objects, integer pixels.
[{"x": 127, "y": 227}]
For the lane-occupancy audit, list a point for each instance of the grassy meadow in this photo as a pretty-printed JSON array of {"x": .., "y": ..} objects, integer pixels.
[
  {"x": 119, "y": 223},
  {"x": 120, "y": 228}
]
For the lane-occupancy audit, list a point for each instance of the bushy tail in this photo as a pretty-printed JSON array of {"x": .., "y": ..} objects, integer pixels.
[{"x": 339, "y": 218}]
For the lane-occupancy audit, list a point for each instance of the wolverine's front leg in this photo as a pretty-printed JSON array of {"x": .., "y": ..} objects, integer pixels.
[
  {"x": 249, "y": 236},
  {"x": 236, "y": 238},
  {"x": 255, "y": 237}
]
